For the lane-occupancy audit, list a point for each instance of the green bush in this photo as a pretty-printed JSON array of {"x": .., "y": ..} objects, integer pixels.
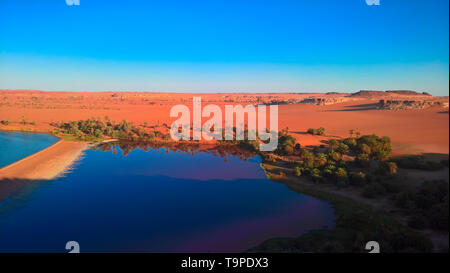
[
  {"x": 392, "y": 168},
  {"x": 343, "y": 148},
  {"x": 316, "y": 175},
  {"x": 363, "y": 160},
  {"x": 418, "y": 163},
  {"x": 341, "y": 174},
  {"x": 286, "y": 144},
  {"x": 351, "y": 142},
  {"x": 319, "y": 131}
]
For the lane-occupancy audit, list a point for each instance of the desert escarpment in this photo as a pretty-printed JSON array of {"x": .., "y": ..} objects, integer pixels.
[{"x": 398, "y": 104}]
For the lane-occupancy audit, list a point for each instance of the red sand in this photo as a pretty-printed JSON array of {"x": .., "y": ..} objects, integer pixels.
[{"x": 411, "y": 131}]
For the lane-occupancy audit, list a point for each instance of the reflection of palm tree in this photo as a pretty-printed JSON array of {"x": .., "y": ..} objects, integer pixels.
[{"x": 184, "y": 147}]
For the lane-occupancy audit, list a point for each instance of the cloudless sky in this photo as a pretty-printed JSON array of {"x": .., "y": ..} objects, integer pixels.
[{"x": 225, "y": 46}]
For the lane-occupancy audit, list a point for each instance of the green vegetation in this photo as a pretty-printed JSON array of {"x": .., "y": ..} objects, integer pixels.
[
  {"x": 356, "y": 224},
  {"x": 24, "y": 121},
  {"x": 286, "y": 143},
  {"x": 352, "y": 161},
  {"x": 360, "y": 162},
  {"x": 418, "y": 162},
  {"x": 319, "y": 131},
  {"x": 428, "y": 205},
  {"x": 96, "y": 129}
]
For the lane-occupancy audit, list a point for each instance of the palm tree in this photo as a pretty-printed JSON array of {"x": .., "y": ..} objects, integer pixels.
[
  {"x": 392, "y": 168},
  {"x": 333, "y": 144}
]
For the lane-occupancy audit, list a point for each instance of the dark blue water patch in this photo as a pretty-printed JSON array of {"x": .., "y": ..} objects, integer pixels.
[
  {"x": 157, "y": 202},
  {"x": 17, "y": 145}
]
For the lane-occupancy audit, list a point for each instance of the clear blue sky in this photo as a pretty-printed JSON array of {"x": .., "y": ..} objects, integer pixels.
[{"x": 218, "y": 46}]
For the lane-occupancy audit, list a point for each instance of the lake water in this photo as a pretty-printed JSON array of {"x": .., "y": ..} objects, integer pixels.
[
  {"x": 157, "y": 200},
  {"x": 17, "y": 145}
]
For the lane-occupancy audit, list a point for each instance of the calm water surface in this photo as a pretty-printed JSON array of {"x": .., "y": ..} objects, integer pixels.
[
  {"x": 17, "y": 145},
  {"x": 157, "y": 201}
]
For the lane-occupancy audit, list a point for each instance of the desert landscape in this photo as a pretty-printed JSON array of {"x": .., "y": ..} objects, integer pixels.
[
  {"x": 363, "y": 152},
  {"x": 416, "y": 123}
]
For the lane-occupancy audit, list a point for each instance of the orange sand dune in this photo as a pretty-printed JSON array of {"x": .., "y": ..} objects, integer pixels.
[{"x": 412, "y": 131}]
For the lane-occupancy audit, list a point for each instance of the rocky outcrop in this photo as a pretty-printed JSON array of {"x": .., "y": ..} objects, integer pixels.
[
  {"x": 375, "y": 93},
  {"x": 323, "y": 101},
  {"x": 410, "y": 104}
]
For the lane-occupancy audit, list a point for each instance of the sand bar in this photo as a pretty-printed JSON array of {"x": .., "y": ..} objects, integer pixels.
[{"x": 45, "y": 164}]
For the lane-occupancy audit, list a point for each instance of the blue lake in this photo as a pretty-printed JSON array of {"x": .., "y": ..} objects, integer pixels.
[
  {"x": 17, "y": 145},
  {"x": 157, "y": 200}
]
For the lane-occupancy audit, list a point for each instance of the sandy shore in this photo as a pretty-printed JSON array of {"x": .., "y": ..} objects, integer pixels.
[{"x": 45, "y": 164}]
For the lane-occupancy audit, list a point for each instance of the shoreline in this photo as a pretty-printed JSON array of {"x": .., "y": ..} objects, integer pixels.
[{"x": 45, "y": 164}]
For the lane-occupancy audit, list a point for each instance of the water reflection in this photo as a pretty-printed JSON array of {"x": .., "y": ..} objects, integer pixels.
[
  {"x": 224, "y": 151},
  {"x": 134, "y": 197}
]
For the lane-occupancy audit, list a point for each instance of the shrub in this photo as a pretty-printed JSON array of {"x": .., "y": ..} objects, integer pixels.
[
  {"x": 343, "y": 148},
  {"x": 357, "y": 178},
  {"x": 98, "y": 133},
  {"x": 431, "y": 193},
  {"x": 316, "y": 174},
  {"x": 372, "y": 144},
  {"x": 365, "y": 149},
  {"x": 334, "y": 155},
  {"x": 321, "y": 159},
  {"x": 392, "y": 168},
  {"x": 363, "y": 160},
  {"x": 381, "y": 155},
  {"x": 319, "y": 131},
  {"x": 417, "y": 162},
  {"x": 286, "y": 144},
  {"x": 341, "y": 173},
  {"x": 333, "y": 144},
  {"x": 351, "y": 142}
]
